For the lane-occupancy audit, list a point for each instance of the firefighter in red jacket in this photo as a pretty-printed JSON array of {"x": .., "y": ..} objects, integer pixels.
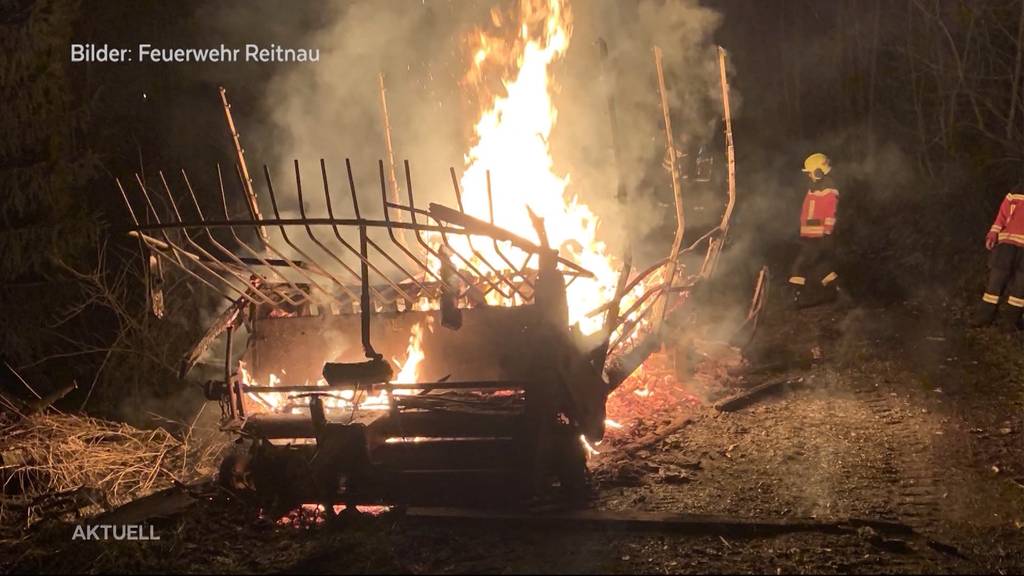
[
  {"x": 1005, "y": 240},
  {"x": 814, "y": 277}
]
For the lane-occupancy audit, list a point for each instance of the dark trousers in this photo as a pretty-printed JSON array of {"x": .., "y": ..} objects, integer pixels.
[
  {"x": 814, "y": 267},
  {"x": 1006, "y": 273}
]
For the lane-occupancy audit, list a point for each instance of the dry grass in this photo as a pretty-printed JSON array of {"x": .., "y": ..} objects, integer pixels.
[{"x": 56, "y": 465}]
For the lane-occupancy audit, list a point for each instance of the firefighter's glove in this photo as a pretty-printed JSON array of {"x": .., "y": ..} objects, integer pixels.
[{"x": 991, "y": 239}]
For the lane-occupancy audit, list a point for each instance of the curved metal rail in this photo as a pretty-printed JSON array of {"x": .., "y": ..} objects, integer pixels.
[{"x": 325, "y": 259}]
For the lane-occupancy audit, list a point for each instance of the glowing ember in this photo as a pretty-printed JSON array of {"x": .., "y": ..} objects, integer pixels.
[{"x": 309, "y": 515}]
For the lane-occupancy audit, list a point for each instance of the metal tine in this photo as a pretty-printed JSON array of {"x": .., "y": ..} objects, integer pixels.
[
  {"x": 647, "y": 272},
  {"x": 284, "y": 235},
  {"x": 469, "y": 238},
  {"x": 168, "y": 252},
  {"x": 402, "y": 247},
  {"x": 497, "y": 248},
  {"x": 124, "y": 195},
  {"x": 641, "y": 300},
  {"x": 156, "y": 216},
  {"x": 627, "y": 325},
  {"x": 337, "y": 234},
  {"x": 307, "y": 297},
  {"x": 135, "y": 219},
  {"x": 176, "y": 250},
  {"x": 309, "y": 232},
  {"x": 526, "y": 264},
  {"x": 521, "y": 270},
  {"x": 634, "y": 281},
  {"x": 256, "y": 253},
  {"x": 444, "y": 239},
  {"x": 626, "y": 329},
  {"x": 214, "y": 261},
  {"x": 369, "y": 241},
  {"x": 221, "y": 247},
  {"x": 144, "y": 241}
]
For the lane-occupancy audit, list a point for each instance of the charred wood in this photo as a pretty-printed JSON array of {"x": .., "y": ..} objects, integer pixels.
[
  {"x": 373, "y": 371},
  {"x": 622, "y": 366},
  {"x": 230, "y": 318},
  {"x": 748, "y": 397},
  {"x": 40, "y": 404}
]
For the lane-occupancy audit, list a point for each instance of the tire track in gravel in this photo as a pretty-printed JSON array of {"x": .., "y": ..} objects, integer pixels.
[{"x": 911, "y": 472}]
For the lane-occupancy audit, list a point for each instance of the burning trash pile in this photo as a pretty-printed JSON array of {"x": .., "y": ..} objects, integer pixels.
[{"x": 58, "y": 466}]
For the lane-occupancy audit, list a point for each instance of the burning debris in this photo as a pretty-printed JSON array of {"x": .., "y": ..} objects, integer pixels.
[{"x": 385, "y": 354}]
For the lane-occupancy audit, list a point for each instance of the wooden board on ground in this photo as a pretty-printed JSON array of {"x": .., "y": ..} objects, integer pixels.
[{"x": 748, "y": 397}]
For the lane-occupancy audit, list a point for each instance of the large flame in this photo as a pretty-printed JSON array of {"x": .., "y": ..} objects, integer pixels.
[
  {"x": 409, "y": 371},
  {"x": 512, "y": 144}
]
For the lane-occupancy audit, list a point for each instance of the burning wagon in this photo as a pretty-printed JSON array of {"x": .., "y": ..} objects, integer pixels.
[
  {"x": 359, "y": 386},
  {"x": 424, "y": 354}
]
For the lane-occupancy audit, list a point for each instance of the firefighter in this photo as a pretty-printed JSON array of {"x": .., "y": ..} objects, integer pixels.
[
  {"x": 1005, "y": 241},
  {"x": 814, "y": 277}
]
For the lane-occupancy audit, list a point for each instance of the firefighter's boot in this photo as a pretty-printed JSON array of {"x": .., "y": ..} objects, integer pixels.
[
  {"x": 829, "y": 294},
  {"x": 817, "y": 296},
  {"x": 795, "y": 293},
  {"x": 1009, "y": 319},
  {"x": 984, "y": 315},
  {"x": 843, "y": 298}
]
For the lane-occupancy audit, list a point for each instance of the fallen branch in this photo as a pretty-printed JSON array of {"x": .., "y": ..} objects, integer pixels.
[
  {"x": 748, "y": 397},
  {"x": 656, "y": 436},
  {"x": 45, "y": 402}
]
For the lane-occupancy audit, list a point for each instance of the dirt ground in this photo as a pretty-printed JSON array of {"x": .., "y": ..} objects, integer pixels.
[{"x": 895, "y": 414}]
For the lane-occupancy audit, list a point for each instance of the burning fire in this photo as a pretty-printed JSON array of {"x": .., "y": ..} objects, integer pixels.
[
  {"x": 512, "y": 143},
  {"x": 414, "y": 354},
  {"x": 408, "y": 373}
]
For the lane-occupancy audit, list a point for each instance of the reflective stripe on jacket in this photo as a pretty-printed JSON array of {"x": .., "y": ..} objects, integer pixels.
[
  {"x": 818, "y": 216},
  {"x": 1009, "y": 225}
]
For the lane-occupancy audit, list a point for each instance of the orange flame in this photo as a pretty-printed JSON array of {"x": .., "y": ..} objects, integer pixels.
[
  {"x": 343, "y": 399},
  {"x": 512, "y": 143},
  {"x": 409, "y": 371}
]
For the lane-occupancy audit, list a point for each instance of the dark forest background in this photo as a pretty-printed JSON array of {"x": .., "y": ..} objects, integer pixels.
[{"x": 919, "y": 102}]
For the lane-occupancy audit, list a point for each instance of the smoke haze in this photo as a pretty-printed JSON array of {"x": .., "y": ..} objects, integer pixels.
[{"x": 332, "y": 109}]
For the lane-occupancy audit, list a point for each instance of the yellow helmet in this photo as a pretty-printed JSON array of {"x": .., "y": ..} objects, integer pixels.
[{"x": 817, "y": 164}]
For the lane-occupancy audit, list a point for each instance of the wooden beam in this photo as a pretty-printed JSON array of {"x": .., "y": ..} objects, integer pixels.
[
  {"x": 748, "y": 397},
  {"x": 670, "y": 146},
  {"x": 392, "y": 173},
  {"x": 250, "y": 192}
]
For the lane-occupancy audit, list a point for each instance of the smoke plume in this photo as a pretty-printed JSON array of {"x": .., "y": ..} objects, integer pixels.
[{"x": 332, "y": 109}]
